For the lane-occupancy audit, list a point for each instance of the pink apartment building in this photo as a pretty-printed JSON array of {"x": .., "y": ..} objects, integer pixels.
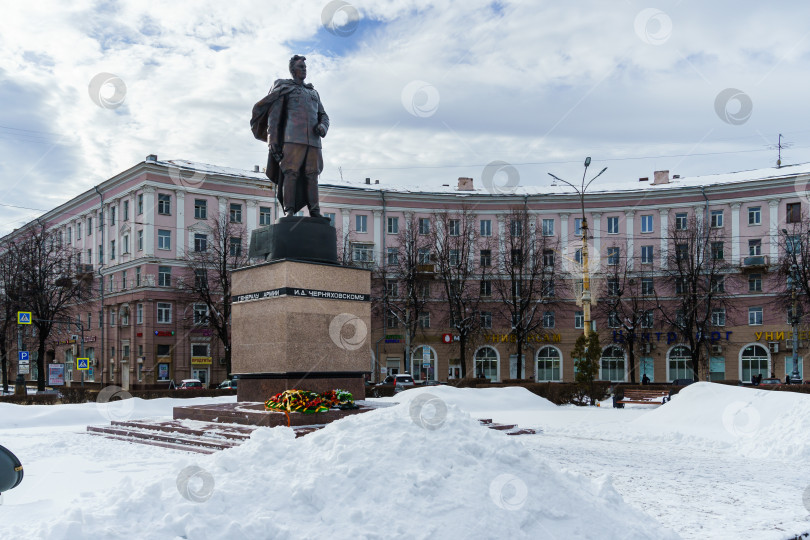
[{"x": 153, "y": 212}]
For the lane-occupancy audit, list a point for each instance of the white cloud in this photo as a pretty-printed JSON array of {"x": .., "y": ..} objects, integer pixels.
[{"x": 523, "y": 82}]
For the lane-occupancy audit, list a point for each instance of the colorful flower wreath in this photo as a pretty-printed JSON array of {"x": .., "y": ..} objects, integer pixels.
[{"x": 309, "y": 402}]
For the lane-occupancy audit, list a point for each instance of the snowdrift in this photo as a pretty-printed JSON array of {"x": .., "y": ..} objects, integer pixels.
[
  {"x": 420, "y": 469},
  {"x": 477, "y": 401},
  {"x": 757, "y": 423}
]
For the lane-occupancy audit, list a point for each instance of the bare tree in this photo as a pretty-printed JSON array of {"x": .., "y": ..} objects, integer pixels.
[
  {"x": 699, "y": 273},
  {"x": 628, "y": 305},
  {"x": 793, "y": 268},
  {"x": 9, "y": 285},
  {"x": 48, "y": 286},
  {"x": 457, "y": 239},
  {"x": 528, "y": 283},
  {"x": 402, "y": 280},
  {"x": 217, "y": 251}
]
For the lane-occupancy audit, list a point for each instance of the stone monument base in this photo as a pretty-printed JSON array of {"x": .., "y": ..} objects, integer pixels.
[
  {"x": 297, "y": 237},
  {"x": 262, "y": 386}
]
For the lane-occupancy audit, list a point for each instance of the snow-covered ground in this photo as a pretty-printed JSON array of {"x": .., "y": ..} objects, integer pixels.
[{"x": 716, "y": 462}]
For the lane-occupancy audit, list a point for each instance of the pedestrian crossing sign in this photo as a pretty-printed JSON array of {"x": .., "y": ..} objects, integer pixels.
[
  {"x": 23, "y": 317},
  {"x": 83, "y": 363}
]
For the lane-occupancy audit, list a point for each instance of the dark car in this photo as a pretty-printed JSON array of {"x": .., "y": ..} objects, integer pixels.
[{"x": 399, "y": 382}]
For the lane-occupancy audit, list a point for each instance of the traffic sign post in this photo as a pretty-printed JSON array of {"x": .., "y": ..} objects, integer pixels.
[
  {"x": 83, "y": 364},
  {"x": 23, "y": 356},
  {"x": 23, "y": 317}
]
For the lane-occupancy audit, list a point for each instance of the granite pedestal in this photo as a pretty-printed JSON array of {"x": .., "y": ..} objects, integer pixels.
[{"x": 303, "y": 325}]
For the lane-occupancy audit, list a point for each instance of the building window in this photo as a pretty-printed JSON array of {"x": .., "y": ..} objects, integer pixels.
[
  {"x": 681, "y": 252},
  {"x": 486, "y": 363},
  {"x": 236, "y": 213},
  {"x": 200, "y": 314},
  {"x": 717, "y": 251},
  {"x": 392, "y": 288},
  {"x": 200, "y": 242},
  {"x": 613, "y": 320},
  {"x": 680, "y": 221},
  {"x": 718, "y": 284},
  {"x": 391, "y": 320},
  {"x": 647, "y": 286},
  {"x": 754, "y": 215},
  {"x": 613, "y": 255},
  {"x": 125, "y": 245},
  {"x": 793, "y": 213},
  {"x": 112, "y": 216},
  {"x": 140, "y": 240},
  {"x": 454, "y": 227},
  {"x": 165, "y": 276},
  {"x": 100, "y": 254},
  {"x": 453, "y": 257},
  {"x": 612, "y": 364},
  {"x": 578, "y": 256},
  {"x": 125, "y": 318},
  {"x": 548, "y": 319},
  {"x": 547, "y": 288},
  {"x": 486, "y": 287},
  {"x": 613, "y": 286},
  {"x": 548, "y": 364},
  {"x": 754, "y": 361},
  {"x": 164, "y": 239},
  {"x": 647, "y": 318},
  {"x": 164, "y": 312},
  {"x": 112, "y": 315},
  {"x": 548, "y": 258},
  {"x": 392, "y": 256},
  {"x": 716, "y": 218},
  {"x": 164, "y": 204},
  {"x": 755, "y": 247},
  {"x": 486, "y": 227},
  {"x": 486, "y": 258},
  {"x": 112, "y": 249},
  {"x": 201, "y": 279},
  {"x": 516, "y": 227},
  {"x": 235, "y": 245},
  {"x": 266, "y": 216},
  {"x": 137, "y": 276},
  {"x": 647, "y": 223},
  {"x": 548, "y": 227},
  {"x": 89, "y": 226},
  {"x": 424, "y": 256},
  {"x": 140, "y": 204},
  {"x": 754, "y": 282},
  {"x": 126, "y": 211},
  {"x": 613, "y": 225},
  {"x": 362, "y": 253},
  {"x": 78, "y": 231},
  {"x": 517, "y": 257},
  {"x": 424, "y": 290},
  {"x": 486, "y": 319},
  {"x": 647, "y": 254},
  {"x": 328, "y": 215},
  {"x": 424, "y": 225},
  {"x": 200, "y": 209},
  {"x": 577, "y": 226},
  {"x": 424, "y": 319},
  {"x": 719, "y": 317},
  {"x": 123, "y": 279},
  {"x": 392, "y": 225},
  {"x": 754, "y": 316},
  {"x": 579, "y": 319},
  {"x": 139, "y": 314},
  {"x": 361, "y": 223},
  {"x": 69, "y": 234},
  {"x": 679, "y": 362},
  {"x": 793, "y": 244}
]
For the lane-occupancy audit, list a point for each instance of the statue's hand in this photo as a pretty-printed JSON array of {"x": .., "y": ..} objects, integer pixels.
[
  {"x": 276, "y": 152},
  {"x": 320, "y": 130}
]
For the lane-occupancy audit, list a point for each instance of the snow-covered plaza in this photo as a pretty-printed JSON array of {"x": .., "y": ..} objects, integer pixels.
[{"x": 715, "y": 462}]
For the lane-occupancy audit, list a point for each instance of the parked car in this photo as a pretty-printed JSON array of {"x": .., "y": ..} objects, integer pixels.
[
  {"x": 771, "y": 381},
  {"x": 399, "y": 382},
  {"x": 189, "y": 384},
  {"x": 227, "y": 385},
  {"x": 435, "y": 383}
]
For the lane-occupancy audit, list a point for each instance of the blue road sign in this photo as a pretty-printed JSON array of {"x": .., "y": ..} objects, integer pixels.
[
  {"x": 23, "y": 356},
  {"x": 23, "y": 317},
  {"x": 82, "y": 363}
]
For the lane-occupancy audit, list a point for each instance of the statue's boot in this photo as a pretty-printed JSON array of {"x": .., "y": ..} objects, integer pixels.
[{"x": 312, "y": 195}]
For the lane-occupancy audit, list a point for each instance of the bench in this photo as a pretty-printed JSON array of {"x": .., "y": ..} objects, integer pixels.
[{"x": 641, "y": 396}]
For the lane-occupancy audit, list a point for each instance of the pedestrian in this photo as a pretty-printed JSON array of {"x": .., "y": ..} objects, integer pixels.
[{"x": 645, "y": 379}]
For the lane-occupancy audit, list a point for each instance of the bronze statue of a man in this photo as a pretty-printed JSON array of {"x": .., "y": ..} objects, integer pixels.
[{"x": 292, "y": 121}]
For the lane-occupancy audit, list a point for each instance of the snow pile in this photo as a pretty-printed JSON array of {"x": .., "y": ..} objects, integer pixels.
[
  {"x": 757, "y": 423},
  {"x": 480, "y": 401},
  {"x": 28, "y": 416},
  {"x": 420, "y": 469}
]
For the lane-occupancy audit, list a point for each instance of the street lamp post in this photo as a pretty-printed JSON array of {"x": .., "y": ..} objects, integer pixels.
[{"x": 586, "y": 277}]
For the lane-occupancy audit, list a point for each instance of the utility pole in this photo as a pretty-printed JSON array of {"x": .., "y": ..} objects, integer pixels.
[{"x": 794, "y": 322}]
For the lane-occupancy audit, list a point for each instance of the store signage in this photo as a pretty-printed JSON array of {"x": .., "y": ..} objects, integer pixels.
[
  {"x": 307, "y": 293},
  {"x": 531, "y": 338},
  {"x": 778, "y": 336},
  {"x": 200, "y": 359},
  {"x": 56, "y": 374},
  {"x": 164, "y": 333}
]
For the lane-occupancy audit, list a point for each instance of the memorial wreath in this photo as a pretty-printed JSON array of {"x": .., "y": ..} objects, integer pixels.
[{"x": 307, "y": 402}]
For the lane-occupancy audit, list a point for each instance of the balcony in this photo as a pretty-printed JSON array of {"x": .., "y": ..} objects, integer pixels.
[
  {"x": 755, "y": 261},
  {"x": 428, "y": 269}
]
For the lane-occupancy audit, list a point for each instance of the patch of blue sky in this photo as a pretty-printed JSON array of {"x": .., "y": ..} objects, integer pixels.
[{"x": 339, "y": 40}]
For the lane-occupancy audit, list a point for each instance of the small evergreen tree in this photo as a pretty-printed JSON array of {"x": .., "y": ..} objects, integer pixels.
[{"x": 587, "y": 354}]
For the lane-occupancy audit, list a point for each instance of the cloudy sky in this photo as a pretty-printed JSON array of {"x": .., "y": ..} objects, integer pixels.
[{"x": 419, "y": 92}]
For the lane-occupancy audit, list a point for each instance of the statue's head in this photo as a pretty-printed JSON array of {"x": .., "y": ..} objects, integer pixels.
[{"x": 298, "y": 67}]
